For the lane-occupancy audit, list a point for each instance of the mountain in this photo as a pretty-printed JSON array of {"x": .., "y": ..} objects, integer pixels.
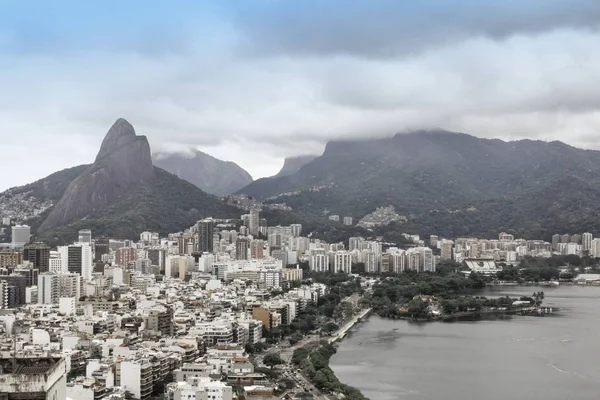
[
  {"x": 449, "y": 184},
  {"x": 122, "y": 164},
  {"x": 293, "y": 164},
  {"x": 120, "y": 195},
  {"x": 164, "y": 204},
  {"x": 210, "y": 174}
]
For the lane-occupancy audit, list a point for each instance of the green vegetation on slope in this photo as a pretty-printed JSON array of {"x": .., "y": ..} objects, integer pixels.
[
  {"x": 450, "y": 184},
  {"x": 166, "y": 204},
  {"x": 53, "y": 186}
]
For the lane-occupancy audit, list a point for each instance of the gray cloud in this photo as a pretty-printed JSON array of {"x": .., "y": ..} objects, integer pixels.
[
  {"x": 391, "y": 28},
  {"x": 536, "y": 82}
]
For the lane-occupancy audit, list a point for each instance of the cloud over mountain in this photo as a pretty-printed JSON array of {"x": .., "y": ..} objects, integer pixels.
[{"x": 257, "y": 83}]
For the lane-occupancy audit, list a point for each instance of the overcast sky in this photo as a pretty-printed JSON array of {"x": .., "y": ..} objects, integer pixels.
[{"x": 255, "y": 81}]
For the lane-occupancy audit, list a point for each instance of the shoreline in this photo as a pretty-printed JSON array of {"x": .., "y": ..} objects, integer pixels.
[{"x": 350, "y": 392}]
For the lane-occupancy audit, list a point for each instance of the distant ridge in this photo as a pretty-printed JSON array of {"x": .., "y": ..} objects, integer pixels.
[
  {"x": 208, "y": 173},
  {"x": 449, "y": 184},
  {"x": 293, "y": 164}
]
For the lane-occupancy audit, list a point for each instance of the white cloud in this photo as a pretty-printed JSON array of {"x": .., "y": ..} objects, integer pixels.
[{"x": 54, "y": 110}]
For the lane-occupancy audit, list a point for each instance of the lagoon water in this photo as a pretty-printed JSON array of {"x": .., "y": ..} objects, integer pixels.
[{"x": 547, "y": 358}]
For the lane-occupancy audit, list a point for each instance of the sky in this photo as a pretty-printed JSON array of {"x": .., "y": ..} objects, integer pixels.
[{"x": 254, "y": 81}]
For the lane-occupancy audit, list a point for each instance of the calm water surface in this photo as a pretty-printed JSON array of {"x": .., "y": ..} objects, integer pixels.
[{"x": 547, "y": 358}]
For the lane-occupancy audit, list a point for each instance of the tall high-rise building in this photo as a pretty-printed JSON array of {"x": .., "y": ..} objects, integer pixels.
[
  {"x": 355, "y": 243},
  {"x": 157, "y": 257},
  {"x": 56, "y": 265},
  {"x": 371, "y": 261},
  {"x": 101, "y": 247},
  {"x": 254, "y": 221},
  {"x": 205, "y": 232},
  {"x": 242, "y": 245},
  {"x": 595, "y": 248},
  {"x": 186, "y": 244},
  {"x": 48, "y": 288},
  {"x": 21, "y": 234},
  {"x": 125, "y": 255},
  {"x": 387, "y": 263},
  {"x": 342, "y": 261},
  {"x": 586, "y": 241},
  {"x": 296, "y": 229},
  {"x": 566, "y": 238},
  {"x": 446, "y": 249},
  {"x": 319, "y": 261},
  {"x": 262, "y": 226},
  {"x": 13, "y": 290},
  {"x": 348, "y": 221},
  {"x": 70, "y": 285},
  {"x": 31, "y": 274},
  {"x": 257, "y": 249},
  {"x": 85, "y": 236},
  {"x": 39, "y": 255},
  {"x": 78, "y": 259},
  {"x": 433, "y": 240},
  {"x": 555, "y": 241},
  {"x": 427, "y": 260}
]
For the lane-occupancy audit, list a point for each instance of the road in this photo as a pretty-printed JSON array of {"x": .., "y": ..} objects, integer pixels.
[
  {"x": 286, "y": 353},
  {"x": 344, "y": 329}
]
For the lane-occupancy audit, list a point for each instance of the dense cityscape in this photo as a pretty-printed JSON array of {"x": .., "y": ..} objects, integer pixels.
[{"x": 218, "y": 311}]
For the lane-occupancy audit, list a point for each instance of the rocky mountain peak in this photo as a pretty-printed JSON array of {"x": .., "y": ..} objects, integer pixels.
[
  {"x": 120, "y": 134},
  {"x": 123, "y": 162}
]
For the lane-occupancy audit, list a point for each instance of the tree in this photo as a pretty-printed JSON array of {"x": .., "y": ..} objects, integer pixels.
[
  {"x": 272, "y": 359},
  {"x": 295, "y": 338},
  {"x": 128, "y": 395},
  {"x": 95, "y": 352},
  {"x": 330, "y": 327},
  {"x": 417, "y": 308}
]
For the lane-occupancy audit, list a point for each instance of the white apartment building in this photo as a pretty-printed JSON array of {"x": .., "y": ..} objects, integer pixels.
[
  {"x": 342, "y": 261},
  {"x": 586, "y": 241},
  {"x": 21, "y": 235},
  {"x": 55, "y": 263},
  {"x": 270, "y": 278},
  {"x": 203, "y": 389},
  {"x": 296, "y": 229},
  {"x": 595, "y": 248},
  {"x": 371, "y": 261},
  {"x": 319, "y": 261},
  {"x": 48, "y": 288},
  {"x": 70, "y": 285},
  {"x": 77, "y": 258}
]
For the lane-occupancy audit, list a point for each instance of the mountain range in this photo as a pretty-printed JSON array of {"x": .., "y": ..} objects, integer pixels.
[
  {"x": 443, "y": 183},
  {"x": 208, "y": 173},
  {"x": 446, "y": 183},
  {"x": 120, "y": 194}
]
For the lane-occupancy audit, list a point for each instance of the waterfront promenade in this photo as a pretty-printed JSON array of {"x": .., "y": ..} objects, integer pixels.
[{"x": 341, "y": 333}]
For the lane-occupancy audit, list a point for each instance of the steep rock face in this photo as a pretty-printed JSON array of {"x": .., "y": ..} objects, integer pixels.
[
  {"x": 210, "y": 174},
  {"x": 293, "y": 164},
  {"x": 123, "y": 163}
]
